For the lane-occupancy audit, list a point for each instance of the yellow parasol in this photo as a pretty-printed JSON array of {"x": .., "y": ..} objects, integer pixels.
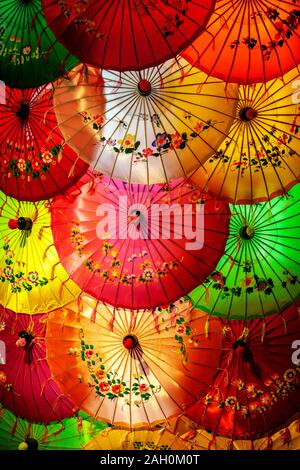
[
  {"x": 32, "y": 279},
  {"x": 120, "y": 439},
  {"x": 259, "y": 159}
]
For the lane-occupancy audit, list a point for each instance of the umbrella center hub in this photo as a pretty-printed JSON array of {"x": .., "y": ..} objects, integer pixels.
[
  {"x": 247, "y": 232},
  {"x": 24, "y": 223},
  {"x": 32, "y": 443},
  {"x": 241, "y": 348},
  {"x": 247, "y": 114},
  {"x": 130, "y": 342},
  {"x": 144, "y": 87},
  {"x": 25, "y": 339},
  {"x": 23, "y": 111}
]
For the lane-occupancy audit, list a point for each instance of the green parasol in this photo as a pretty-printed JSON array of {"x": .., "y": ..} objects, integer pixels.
[
  {"x": 30, "y": 55},
  {"x": 69, "y": 434},
  {"x": 259, "y": 272}
]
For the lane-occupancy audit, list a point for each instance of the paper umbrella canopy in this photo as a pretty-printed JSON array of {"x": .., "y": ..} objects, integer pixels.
[
  {"x": 35, "y": 162},
  {"x": 26, "y": 385},
  {"x": 145, "y": 127},
  {"x": 30, "y": 55},
  {"x": 126, "y": 35},
  {"x": 259, "y": 272},
  {"x": 255, "y": 390},
  {"x": 131, "y": 368},
  {"x": 259, "y": 159},
  {"x": 288, "y": 438},
  {"x": 69, "y": 434},
  {"x": 248, "y": 42},
  {"x": 31, "y": 277},
  {"x": 120, "y": 439},
  {"x": 121, "y": 244}
]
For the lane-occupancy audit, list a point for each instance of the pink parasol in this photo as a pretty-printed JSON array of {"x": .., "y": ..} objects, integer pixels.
[
  {"x": 26, "y": 384},
  {"x": 138, "y": 246}
]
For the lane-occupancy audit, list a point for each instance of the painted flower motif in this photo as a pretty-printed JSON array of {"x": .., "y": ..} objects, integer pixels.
[
  {"x": 47, "y": 158},
  {"x": 37, "y": 164},
  {"x": 143, "y": 388},
  {"x": 268, "y": 382},
  {"x": 2, "y": 326},
  {"x": 180, "y": 329},
  {"x": 3, "y": 377},
  {"x": 5, "y": 162},
  {"x": 117, "y": 389},
  {"x": 97, "y": 266},
  {"x": 99, "y": 120},
  {"x": 115, "y": 273},
  {"x": 106, "y": 247},
  {"x": 8, "y": 271},
  {"x": 100, "y": 374},
  {"x": 128, "y": 141},
  {"x": 148, "y": 274},
  {"x": 251, "y": 389},
  {"x": 198, "y": 127},
  {"x": 218, "y": 278},
  {"x": 161, "y": 140},
  {"x": 281, "y": 29},
  {"x": 176, "y": 140},
  {"x": 9, "y": 254},
  {"x": 290, "y": 375},
  {"x": 21, "y": 164},
  {"x": 33, "y": 277},
  {"x": 254, "y": 406},
  {"x": 247, "y": 281},
  {"x": 266, "y": 399},
  {"x": 231, "y": 401},
  {"x": 111, "y": 142},
  {"x": 147, "y": 152},
  {"x": 275, "y": 377},
  {"x": 89, "y": 353},
  {"x": 261, "y": 284},
  {"x": 147, "y": 263},
  {"x": 240, "y": 384},
  {"x": 104, "y": 387},
  {"x": 26, "y": 50}
]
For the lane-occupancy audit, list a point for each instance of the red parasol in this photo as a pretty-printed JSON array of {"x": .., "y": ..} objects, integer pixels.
[
  {"x": 35, "y": 162},
  {"x": 255, "y": 390},
  {"x": 26, "y": 384},
  {"x": 126, "y": 34},
  {"x": 138, "y": 246}
]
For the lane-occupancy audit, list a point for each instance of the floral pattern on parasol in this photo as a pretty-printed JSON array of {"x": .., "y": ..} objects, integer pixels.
[
  {"x": 249, "y": 42},
  {"x": 35, "y": 162},
  {"x": 258, "y": 274},
  {"x": 31, "y": 277},
  {"x": 26, "y": 385},
  {"x": 131, "y": 368},
  {"x": 69, "y": 434},
  {"x": 115, "y": 439},
  {"x": 255, "y": 390},
  {"x": 30, "y": 55},
  {"x": 126, "y": 35},
  {"x": 145, "y": 127},
  {"x": 259, "y": 159},
  {"x": 121, "y": 244}
]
